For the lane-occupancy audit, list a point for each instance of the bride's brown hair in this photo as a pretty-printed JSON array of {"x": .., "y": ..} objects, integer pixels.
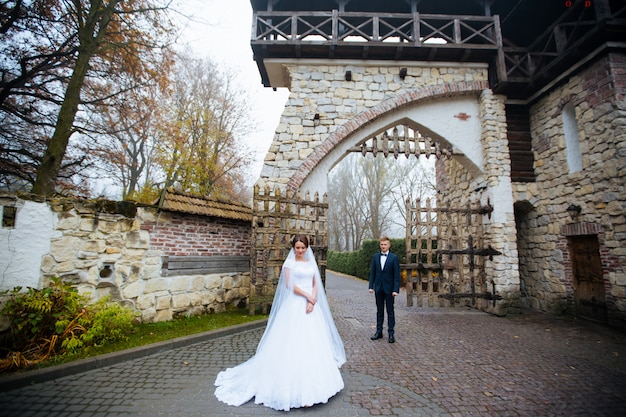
[{"x": 300, "y": 238}]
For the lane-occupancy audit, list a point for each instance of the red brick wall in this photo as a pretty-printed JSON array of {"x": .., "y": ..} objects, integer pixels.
[
  {"x": 618, "y": 75},
  {"x": 605, "y": 81},
  {"x": 190, "y": 235}
]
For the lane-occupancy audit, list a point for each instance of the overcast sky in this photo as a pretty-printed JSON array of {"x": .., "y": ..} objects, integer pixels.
[{"x": 220, "y": 30}]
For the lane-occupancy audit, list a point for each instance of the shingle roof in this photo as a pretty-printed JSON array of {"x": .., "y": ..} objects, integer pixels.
[{"x": 185, "y": 203}]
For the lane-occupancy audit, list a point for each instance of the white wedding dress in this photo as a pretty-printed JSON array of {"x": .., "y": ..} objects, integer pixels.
[{"x": 298, "y": 359}]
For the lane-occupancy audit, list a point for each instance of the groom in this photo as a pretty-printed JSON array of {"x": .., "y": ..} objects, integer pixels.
[{"x": 385, "y": 284}]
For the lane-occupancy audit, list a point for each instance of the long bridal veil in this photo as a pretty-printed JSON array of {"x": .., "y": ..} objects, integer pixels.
[{"x": 284, "y": 290}]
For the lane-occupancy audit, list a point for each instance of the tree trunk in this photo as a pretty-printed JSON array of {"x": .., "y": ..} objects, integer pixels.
[
  {"x": 53, "y": 158},
  {"x": 90, "y": 39}
]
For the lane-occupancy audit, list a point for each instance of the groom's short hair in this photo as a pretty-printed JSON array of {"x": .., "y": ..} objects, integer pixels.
[{"x": 383, "y": 238}]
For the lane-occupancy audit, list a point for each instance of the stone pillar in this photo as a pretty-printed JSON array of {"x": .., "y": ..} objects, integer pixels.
[{"x": 500, "y": 231}]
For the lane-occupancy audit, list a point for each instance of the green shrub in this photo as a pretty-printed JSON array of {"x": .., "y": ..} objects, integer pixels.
[
  {"x": 55, "y": 320},
  {"x": 358, "y": 263},
  {"x": 102, "y": 322},
  {"x": 33, "y": 314}
]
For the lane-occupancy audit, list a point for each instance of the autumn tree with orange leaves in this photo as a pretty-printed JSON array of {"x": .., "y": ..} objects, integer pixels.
[
  {"x": 201, "y": 148},
  {"x": 187, "y": 133},
  {"x": 125, "y": 149}
]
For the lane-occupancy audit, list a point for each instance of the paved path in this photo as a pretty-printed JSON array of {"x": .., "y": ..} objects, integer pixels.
[{"x": 444, "y": 363}]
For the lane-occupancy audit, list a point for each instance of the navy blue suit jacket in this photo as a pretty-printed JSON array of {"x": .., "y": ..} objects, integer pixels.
[{"x": 387, "y": 279}]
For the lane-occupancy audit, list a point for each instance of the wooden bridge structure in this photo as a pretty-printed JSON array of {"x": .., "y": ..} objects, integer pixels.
[{"x": 524, "y": 55}]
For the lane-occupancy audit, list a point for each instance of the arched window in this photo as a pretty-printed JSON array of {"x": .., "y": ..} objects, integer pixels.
[{"x": 572, "y": 139}]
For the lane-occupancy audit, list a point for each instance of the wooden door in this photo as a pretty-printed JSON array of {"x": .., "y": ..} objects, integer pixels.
[{"x": 588, "y": 282}]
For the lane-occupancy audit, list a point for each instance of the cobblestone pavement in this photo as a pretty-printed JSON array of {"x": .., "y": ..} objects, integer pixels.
[{"x": 444, "y": 363}]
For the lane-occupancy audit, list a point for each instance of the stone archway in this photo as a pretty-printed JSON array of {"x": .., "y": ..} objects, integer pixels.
[
  {"x": 327, "y": 114},
  {"x": 409, "y": 105},
  {"x": 450, "y": 119}
]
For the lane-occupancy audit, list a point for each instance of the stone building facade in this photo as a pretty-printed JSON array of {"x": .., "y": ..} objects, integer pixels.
[
  {"x": 118, "y": 250},
  {"x": 534, "y": 115},
  {"x": 431, "y": 96},
  {"x": 591, "y": 177},
  {"x": 530, "y": 223}
]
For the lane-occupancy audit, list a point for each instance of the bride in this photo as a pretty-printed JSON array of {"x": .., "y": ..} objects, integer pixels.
[{"x": 298, "y": 358}]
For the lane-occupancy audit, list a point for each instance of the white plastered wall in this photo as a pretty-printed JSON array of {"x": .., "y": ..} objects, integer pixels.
[{"x": 23, "y": 246}]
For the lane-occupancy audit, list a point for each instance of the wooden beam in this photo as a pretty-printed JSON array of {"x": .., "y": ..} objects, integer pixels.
[{"x": 203, "y": 265}]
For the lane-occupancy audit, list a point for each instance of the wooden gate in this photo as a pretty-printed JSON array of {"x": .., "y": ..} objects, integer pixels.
[
  {"x": 445, "y": 255},
  {"x": 277, "y": 218}
]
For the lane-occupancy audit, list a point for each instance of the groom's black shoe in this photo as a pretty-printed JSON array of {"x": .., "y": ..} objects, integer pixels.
[
  {"x": 392, "y": 339},
  {"x": 377, "y": 335}
]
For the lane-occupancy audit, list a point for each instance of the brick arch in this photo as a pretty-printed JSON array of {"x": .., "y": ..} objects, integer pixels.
[
  {"x": 570, "y": 98},
  {"x": 346, "y": 130}
]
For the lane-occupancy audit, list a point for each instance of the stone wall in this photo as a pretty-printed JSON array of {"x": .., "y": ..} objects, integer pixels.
[
  {"x": 598, "y": 95},
  {"x": 104, "y": 253}
]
